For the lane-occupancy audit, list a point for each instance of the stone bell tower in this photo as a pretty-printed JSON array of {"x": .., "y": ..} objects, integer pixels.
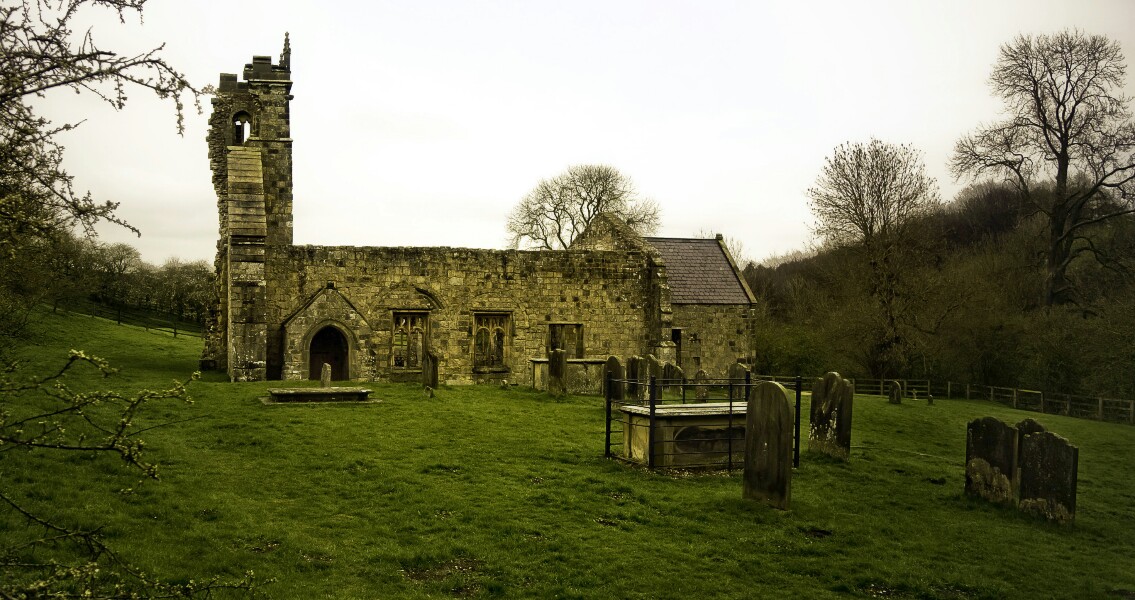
[{"x": 250, "y": 152}]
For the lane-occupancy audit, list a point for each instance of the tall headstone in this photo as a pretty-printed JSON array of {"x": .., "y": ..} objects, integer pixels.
[
  {"x": 991, "y": 460},
  {"x": 616, "y": 376},
  {"x": 768, "y": 446},
  {"x": 557, "y": 372},
  {"x": 830, "y": 431},
  {"x": 701, "y": 387},
  {"x": 1028, "y": 426},
  {"x": 1048, "y": 474},
  {"x": 325, "y": 376},
  {"x": 430, "y": 369},
  {"x": 737, "y": 373},
  {"x": 671, "y": 375},
  {"x": 894, "y": 392},
  {"x": 634, "y": 377}
]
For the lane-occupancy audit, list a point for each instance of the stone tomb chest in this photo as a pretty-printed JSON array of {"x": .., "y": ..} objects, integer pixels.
[{"x": 686, "y": 435}]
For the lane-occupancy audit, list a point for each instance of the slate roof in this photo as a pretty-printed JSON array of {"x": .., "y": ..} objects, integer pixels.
[{"x": 698, "y": 272}]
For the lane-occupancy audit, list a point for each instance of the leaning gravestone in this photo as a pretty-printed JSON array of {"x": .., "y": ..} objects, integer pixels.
[
  {"x": 894, "y": 392},
  {"x": 830, "y": 432},
  {"x": 325, "y": 376},
  {"x": 701, "y": 388},
  {"x": 557, "y": 372},
  {"x": 613, "y": 372},
  {"x": 1048, "y": 474},
  {"x": 737, "y": 373},
  {"x": 991, "y": 460},
  {"x": 768, "y": 446}
]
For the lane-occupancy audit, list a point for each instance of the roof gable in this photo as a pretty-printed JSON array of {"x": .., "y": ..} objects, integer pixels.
[{"x": 699, "y": 271}]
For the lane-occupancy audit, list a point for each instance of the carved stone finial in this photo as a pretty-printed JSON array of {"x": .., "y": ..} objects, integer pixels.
[{"x": 286, "y": 55}]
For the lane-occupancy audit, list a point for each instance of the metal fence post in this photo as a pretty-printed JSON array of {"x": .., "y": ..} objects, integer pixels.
[
  {"x": 607, "y": 394},
  {"x": 796, "y": 441},
  {"x": 653, "y": 394}
]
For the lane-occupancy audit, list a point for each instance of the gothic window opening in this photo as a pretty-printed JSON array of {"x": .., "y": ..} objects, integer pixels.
[
  {"x": 490, "y": 342},
  {"x": 408, "y": 343},
  {"x": 329, "y": 346},
  {"x": 242, "y": 128},
  {"x": 567, "y": 337}
]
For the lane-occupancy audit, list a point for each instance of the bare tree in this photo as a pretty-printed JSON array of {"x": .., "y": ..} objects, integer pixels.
[
  {"x": 867, "y": 196},
  {"x": 867, "y": 193},
  {"x": 558, "y": 209},
  {"x": 40, "y": 53},
  {"x": 1067, "y": 144}
]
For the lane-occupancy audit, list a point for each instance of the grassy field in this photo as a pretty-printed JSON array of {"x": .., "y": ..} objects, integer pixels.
[{"x": 480, "y": 492}]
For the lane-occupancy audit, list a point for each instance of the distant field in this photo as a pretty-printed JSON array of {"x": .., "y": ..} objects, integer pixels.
[{"x": 480, "y": 492}]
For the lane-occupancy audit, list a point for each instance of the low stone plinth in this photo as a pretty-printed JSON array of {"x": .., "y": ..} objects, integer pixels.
[
  {"x": 686, "y": 435},
  {"x": 320, "y": 394}
]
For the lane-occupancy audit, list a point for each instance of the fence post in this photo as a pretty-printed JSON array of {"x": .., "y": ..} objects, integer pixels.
[
  {"x": 1015, "y": 390},
  {"x": 607, "y": 393},
  {"x": 1099, "y": 411},
  {"x": 967, "y": 391},
  {"x": 653, "y": 394},
  {"x": 1131, "y": 411},
  {"x": 796, "y": 440},
  {"x": 729, "y": 429},
  {"x": 1042, "y": 402}
]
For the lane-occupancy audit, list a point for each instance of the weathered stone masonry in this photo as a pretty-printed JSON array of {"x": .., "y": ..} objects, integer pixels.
[{"x": 374, "y": 312}]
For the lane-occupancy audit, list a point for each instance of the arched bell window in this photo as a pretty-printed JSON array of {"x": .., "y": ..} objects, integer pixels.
[{"x": 242, "y": 127}]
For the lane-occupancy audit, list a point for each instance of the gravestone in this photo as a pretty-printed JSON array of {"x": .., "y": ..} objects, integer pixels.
[
  {"x": 634, "y": 377},
  {"x": 671, "y": 375},
  {"x": 736, "y": 374},
  {"x": 894, "y": 392},
  {"x": 430, "y": 369},
  {"x": 613, "y": 371},
  {"x": 557, "y": 372},
  {"x": 701, "y": 389},
  {"x": 653, "y": 369},
  {"x": 1048, "y": 475},
  {"x": 1025, "y": 427},
  {"x": 325, "y": 376},
  {"x": 991, "y": 460},
  {"x": 768, "y": 446},
  {"x": 830, "y": 431}
]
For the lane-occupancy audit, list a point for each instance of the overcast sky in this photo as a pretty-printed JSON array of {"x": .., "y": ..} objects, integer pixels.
[{"x": 423, "y": 123}]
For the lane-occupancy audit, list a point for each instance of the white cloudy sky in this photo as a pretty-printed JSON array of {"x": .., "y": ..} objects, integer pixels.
[{"x": 423, "y": 123}]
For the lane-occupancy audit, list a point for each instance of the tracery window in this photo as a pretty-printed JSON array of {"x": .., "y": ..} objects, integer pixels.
[
  {"x": 567, "y": 337},
  {"x": 490, "y": 341},
  {"x": 408, "y": 344}
]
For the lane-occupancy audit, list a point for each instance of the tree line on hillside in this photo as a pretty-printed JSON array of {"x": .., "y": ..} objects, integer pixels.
[
  {"x": 1023, "y": 280},
  {"x": 64, "y": 270}
]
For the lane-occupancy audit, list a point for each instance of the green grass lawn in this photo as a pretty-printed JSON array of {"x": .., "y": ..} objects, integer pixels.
[{"x": 482, "y": 492}]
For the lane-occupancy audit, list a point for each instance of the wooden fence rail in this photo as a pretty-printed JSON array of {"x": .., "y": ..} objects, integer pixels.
[{"x": 1111, "y": 410}]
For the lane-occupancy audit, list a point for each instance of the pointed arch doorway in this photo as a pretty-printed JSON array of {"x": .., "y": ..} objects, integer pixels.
[{"x": 329, "y": 345}]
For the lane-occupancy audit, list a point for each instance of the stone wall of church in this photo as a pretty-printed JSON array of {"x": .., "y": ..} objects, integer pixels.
[
  {"x": 607, "y": 292},
  {"x": 713, "y": 336}
]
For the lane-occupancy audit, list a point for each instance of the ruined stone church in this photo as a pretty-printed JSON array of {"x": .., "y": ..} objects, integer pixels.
[{"x": 382, "y": 313}]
